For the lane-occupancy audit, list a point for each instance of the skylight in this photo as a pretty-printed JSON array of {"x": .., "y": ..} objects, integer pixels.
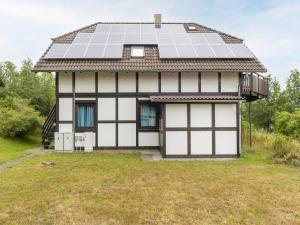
[
  {"x": 137, "y": 51},
  {"x": 191, "y": 27}
]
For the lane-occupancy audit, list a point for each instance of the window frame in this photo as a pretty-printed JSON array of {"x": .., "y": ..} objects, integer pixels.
[
  {"x": 148, "y": 128},
  {"x": 85, "y": 129}
]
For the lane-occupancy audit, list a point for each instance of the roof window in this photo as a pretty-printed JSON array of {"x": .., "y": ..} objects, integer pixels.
[
  {"x": 137, "y": 51},
  {"x": 191, "y": 27}
]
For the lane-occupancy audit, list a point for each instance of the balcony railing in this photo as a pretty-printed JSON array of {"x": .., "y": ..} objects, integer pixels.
[{"x": 254, "y": 86}]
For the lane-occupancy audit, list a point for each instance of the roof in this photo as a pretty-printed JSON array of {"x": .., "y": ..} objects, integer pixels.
[
  {"x": 192, "y": 98},
  {"x": 151, "y": 61}
]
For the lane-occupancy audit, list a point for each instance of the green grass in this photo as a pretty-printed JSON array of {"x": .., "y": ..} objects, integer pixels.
[
  {"x": 11, "y": 148},
  {"x": 106, "y": 188}
]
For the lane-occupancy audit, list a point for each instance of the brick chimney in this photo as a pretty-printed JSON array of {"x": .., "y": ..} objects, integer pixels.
[{"x": 157, "y": 19}]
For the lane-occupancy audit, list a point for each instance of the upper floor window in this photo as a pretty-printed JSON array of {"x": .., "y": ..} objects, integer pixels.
[{"x": 137, "y": 51}]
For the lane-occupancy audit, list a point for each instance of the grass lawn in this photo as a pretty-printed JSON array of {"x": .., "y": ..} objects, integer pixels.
[
  {"x": 105, "y": 188},
  {"x": 11, "y": 148}
]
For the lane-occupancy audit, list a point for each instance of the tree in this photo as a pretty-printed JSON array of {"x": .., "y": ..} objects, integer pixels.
[
  {"x": 292, "y": 91},
  {"x": 39, "y": 89}
]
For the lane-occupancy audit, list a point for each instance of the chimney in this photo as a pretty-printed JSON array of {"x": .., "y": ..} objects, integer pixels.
[{"x": 157, "y": 19}]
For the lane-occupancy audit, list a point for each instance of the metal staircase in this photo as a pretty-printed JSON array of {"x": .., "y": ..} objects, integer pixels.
[{"x": 48, "y": 129}]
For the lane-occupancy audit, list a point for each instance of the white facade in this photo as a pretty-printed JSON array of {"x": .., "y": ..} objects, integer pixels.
[{"x": 190, "y": 129}]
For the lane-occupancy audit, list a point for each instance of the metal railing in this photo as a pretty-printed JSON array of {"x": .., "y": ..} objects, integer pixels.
[{"x": 48, "y": 127}]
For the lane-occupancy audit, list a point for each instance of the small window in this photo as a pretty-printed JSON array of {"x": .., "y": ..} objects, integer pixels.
[
  {"x": 85, "y": 116},
  {"x": 191, "y": 27},
  {"x": 148, "y": 116},
  {"x": 137, "y": 51}
]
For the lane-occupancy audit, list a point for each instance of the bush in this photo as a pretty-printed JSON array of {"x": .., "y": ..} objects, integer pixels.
[
  {"x": 17, "y": 118},
  {"x": 282, "y": 148},
  {"x": 288, "y": 124}
]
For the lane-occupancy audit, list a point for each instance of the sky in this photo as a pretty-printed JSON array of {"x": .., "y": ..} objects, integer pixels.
[{"x": 270, "y": 28}]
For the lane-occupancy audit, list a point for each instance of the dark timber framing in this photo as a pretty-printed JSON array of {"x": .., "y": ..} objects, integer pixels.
[{"x": 137, "y": 95}]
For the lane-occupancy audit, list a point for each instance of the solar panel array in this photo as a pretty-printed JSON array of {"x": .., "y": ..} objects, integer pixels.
[{"x": 173, "y": 41}]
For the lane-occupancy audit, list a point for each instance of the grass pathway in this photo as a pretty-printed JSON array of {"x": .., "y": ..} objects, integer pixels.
[{"x": 31, "y": 154}]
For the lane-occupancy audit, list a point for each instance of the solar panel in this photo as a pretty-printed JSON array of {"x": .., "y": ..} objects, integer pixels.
[
  {"x": 186, "y": 51},
  {"x": 204, "y": 51},
  {"x": 222, "y": 51},
  {"x": 82, "y": 38},
  {"x": 115, "y": 38},
  {"x": 57, "y": 51},
  {"x": 181, "y": 39},
  {"x": 164, "y": 39},
  {"x": 148, "y": 28},
  {"x": 94, "y": 51},
  {"x": 76, "y": 51},
  {"x": 148, "y": 39},
  {"x": 240, "y": 51},
  {"x": 167, "y": 51},
  {"x": 132, "y": 39},
  {"x": 118, "y": 28},
  {"x": 213, "y": 38},
  {"x": 177, "y": 28},
  {"x": 113, "y": 51},
  {"x": 103, "y": 28},
  {"x": 133, "y": 28},
  {"x": 197, "y": 38},
  {"x": 99, "y": 38}
]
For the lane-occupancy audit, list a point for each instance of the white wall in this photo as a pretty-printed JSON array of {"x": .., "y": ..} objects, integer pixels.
[
  {"x": 201, "y": 142},
  {"x": 148, "y": 139},
  {"x": 176, "y": 115},
  {"x": 148, "y": 82},
  {"x": 65, "y": 82},
  {"x": 176, "y": 142},
  {"x": 127, "y": 82},
  {"x": 127, "y": 109},
  {"x": 201, "y": 115},
  {"x": 225, "y": 115},
  {"x": 127, "y": 134},
  {"x": 209, "y": 82},
  {"x": 106, "y": 108},
  {"x": 65, "y": 127},
  {"x": 169, "y": 82},
  {"x": 229, "y": 82},
  {"x": 189, "y": 82},
  {"x": 226, "y": 142},
  {"x": 85, "y": 82},
  {"x": 107, "y": 134},
  {"x": 106, "y": 82},
  {"x": 65, "y": 109}
]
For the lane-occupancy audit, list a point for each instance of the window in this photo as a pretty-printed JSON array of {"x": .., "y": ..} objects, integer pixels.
[
  {"x": 148, "y": 116},
  {"x": 85, "y": 116},
  {"x": 137, "y": 51},
  {"x": 191, "y": 27}
]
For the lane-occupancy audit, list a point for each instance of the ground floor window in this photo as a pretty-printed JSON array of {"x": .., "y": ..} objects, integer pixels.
[
  {"x": 85, "y": 115},
  {"x": 148, "y": 116}
]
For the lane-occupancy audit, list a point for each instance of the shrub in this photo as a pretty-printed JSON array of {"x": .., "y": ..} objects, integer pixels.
[
  {"x": 288, "y": 124},
  {"x": 17, "y": 118}
]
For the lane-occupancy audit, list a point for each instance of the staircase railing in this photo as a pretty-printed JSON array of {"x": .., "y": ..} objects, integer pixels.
[{"x": 48, "y": 128}]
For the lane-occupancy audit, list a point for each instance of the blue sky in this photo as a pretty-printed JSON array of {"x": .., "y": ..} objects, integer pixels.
[{"x": 270, "y": 28}]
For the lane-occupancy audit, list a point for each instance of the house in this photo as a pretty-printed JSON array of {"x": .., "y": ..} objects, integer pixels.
[{"x": 176, "y": 87}]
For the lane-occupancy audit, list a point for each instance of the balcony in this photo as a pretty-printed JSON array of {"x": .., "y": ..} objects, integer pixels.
[{"x": 254, "y": 87}]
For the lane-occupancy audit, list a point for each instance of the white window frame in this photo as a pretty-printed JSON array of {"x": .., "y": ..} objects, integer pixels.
[{"x": 137, "y": 51}]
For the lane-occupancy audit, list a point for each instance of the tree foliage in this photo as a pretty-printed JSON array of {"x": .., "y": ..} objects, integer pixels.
[
  {"x": 17, "y": 118},
  {"x": 38, "y": 89},
  {"x": 288, "y": 124}
]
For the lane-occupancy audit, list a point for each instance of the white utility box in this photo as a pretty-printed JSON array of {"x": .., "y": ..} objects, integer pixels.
[
  {"x": 68, "y": 141},
  {"x": 64, "y": 141},
  {"x": 88, "y": 141},
  {"x": 59, "y": 141}
]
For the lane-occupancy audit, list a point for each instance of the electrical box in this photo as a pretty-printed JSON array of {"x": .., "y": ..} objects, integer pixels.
[
  {"x": 68, "y": 141},
  {"x": 59, "y": 141},
  {"x": 88, "y": 141}
]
